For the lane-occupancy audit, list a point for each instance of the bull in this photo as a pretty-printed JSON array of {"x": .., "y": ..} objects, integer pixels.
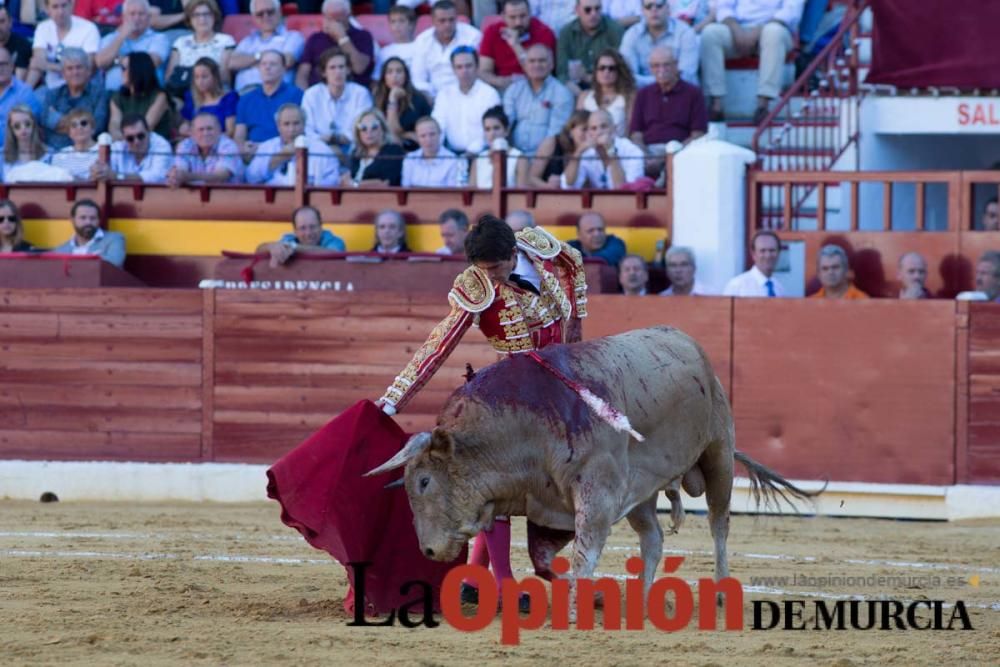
[{"x": 514, "y": 440}]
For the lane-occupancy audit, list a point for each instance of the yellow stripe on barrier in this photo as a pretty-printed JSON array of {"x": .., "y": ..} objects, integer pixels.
[{"x": 208, "y": 238}]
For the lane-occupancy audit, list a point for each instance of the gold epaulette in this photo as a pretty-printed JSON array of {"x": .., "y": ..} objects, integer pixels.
[
  {"x": 538, "y": 242},
  {"x": 473, "y": 290},
  {"x": 574, "y": 255}
]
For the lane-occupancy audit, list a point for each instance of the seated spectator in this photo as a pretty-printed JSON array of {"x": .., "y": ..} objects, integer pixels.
[
  {"x": 255, "y": 112},
  {"x": 402, "y": 104},
  {"x": 79, "y": 92},
  {"x": 308, "y": 237},
  {"x": 269, "y": 35},
  {"x": 105, "y": 13},
  {"x": 765, "y": 246},
  {"x": 454, "y": 229},
  {"x": 658, "y": 28},
  {"x": 206, "y": 94},
  {"x": 459, "y": 107},
  {"x": 12, "y": 229},
  {"x": 17, "y": 46},
  {"x": 589, "y": 33},
  {"x": 376, "y": 160},
  {"x": 681, "y": 268},
  {"x": 696, "y": 13},
  {"x": 520, "y": 219},
  {"x": 23, "y": 141},
  {"x": 333, "y": 106},
  {"x": 53, "y": 36},
  {"x": 141, "y": 94},
  {"x": 433, "y": 49},
  {"x": 991, "y": 217},
  {"x": 390, "y": 233},
  {"x": 204, "y": 42},
  {"x": 625, "y": 12},
  {"x": 744, "y": 28},
  {"x": 78, "y": 157},
  {"x": 274, "y": 161},
  {"x": 912, "y": 276},
  {"x": 988, "y": 276},
  {"x": 88, "y": 237},
  {"x": 505, "y": 45},
  {"x": 556, "y": 152},
  {"x": 669, "y": 109},
  {"x": 13, "y": 91},
  {"x": 207, "y": 156},
  {"x": 402, "y": 23},
  {"x": 633, "y": 277},
  {"x": 432, "y": 165},
  {"x": 168, "y": 15},
  {"x": 832, "y": 270},
  {"x": 496, "y": 126},
  {"x": 140, "y": 155},
  {"x": 537, "y": 105},
  {"x": 592, "y": 239},
  {"x": 606, "y": 161},
  {"x": 133, "y": 35},
  {"x": 357, "y": 45},
  {"x": 612, "y": 89},
  {"x": 553, "y": 13}
]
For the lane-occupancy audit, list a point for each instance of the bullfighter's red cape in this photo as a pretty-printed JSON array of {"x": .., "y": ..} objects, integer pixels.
[{"x": 324, "y": 495}]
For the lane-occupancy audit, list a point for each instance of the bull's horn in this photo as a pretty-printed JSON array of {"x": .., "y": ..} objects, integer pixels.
[
  {"x": 414, "y": 446},
  {"x": 395, "y": 485}
]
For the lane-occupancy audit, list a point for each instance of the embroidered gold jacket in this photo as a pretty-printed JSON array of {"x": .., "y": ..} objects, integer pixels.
[{"x": 514, "y": 320}]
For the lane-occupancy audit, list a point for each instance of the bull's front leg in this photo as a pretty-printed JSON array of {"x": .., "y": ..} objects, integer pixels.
[
  {"x": 543, "y": 545},
  {"x": 594, "y": 504}
]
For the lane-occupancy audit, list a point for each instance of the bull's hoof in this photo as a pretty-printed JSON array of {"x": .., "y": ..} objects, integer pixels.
[{"x": 469, "y": 594}]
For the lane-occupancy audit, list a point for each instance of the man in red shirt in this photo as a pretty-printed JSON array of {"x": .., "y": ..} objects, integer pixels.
[{"x": 504, "y": 47}]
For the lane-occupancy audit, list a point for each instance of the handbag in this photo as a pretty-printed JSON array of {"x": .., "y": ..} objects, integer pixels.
[{"x": 179, "y": 81}]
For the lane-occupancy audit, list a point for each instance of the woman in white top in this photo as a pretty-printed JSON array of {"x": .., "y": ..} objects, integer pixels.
[
  {"x": 204, "y": 42},
  {"x": 78, "y": 158},
  {"x": 496, "y": 125},
  {"x": 23, "y": 141},
  {"x": 613, "y": 90}
]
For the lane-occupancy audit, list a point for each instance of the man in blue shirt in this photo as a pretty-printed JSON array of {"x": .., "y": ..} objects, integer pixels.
[
  {"x": 13, "y": 92},
  {"x": 593, "y": 239},
  {"x": 255, "y": 111},
  {"x": 309, "y": 236},
  {"x": 134, "y": 34},
  {"x": 538, "y": 105}
]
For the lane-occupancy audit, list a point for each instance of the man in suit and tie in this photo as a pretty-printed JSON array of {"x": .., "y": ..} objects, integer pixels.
[
  {"x": 765, "y": 246},
  {"x": 89, "y": 238}
]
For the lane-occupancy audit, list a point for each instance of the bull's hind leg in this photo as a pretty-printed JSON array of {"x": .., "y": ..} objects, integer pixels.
[
  {"x": 644, "y": 521},
  {"x": 717, "y": 465},
  {"x": 543, "y": 545}
]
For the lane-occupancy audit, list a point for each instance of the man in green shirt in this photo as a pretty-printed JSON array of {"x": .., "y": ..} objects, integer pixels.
[{"x": 581, "y": 40}]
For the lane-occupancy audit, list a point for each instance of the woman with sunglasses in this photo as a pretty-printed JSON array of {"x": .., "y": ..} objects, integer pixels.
[
  {"x": 204, "y": 42},
  {"x": 23, "y": 139},
  {"x": 613, "y": 90},
  {"x": 78, "y": 157},
  {"x": 11, "y": 229},
  {"x": 206, "y": 94},
  {"x": 401, "y": 103},
  {"x": 377, "y": 160},
  {"x": 554, "y": 152},
  {"x": 141, "y": 94}
]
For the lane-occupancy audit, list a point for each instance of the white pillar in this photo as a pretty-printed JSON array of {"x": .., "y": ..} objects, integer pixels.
[{"x": 709, "y": 185}]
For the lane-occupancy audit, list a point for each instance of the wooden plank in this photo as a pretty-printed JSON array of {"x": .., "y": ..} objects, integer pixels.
[
  {"x": 65, "y": 418},
  {"x": 69, "y": 445},
  {"x": 98, "y": 300},
  {"x": 57, "y": 371},
  {"x": 411, "y": 327},
  {"x": 14, "y": 395},
  {"x": 984, "y": 385},
  {"x": 116, "y": 349},
  {"x": 207, "y": 373},
  {"x": 126, "y": 325},
  {"x": 961, "y": 392},
  {"x": 28, "y": 325},
  {"x": 985, "y": 362}
]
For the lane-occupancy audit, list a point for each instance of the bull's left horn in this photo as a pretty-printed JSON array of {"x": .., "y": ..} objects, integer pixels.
[{"x": 413, "y": 448}]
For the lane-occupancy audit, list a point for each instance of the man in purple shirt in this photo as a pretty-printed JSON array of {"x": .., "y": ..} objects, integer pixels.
[
  {"x": 357, "y": 45},
  {"x": 670, "y": 109}
]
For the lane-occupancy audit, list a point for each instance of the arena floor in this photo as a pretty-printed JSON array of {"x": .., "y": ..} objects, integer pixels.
[{"x": 192, "y": 584}]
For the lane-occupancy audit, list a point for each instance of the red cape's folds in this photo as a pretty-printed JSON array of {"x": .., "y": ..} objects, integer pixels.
[{"x": 324, "y": 495}]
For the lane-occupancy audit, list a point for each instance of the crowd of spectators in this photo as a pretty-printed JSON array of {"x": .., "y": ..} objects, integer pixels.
[{"x": 631, "y": 66}]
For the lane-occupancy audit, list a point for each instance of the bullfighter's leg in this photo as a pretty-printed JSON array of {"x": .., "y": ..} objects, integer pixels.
[
  {"x": 717, "y": 465},
  {"x": 543, "y": 545},
  {"x": 644, "y": 521}
]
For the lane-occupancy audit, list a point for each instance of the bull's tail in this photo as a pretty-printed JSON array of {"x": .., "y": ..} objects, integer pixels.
[{"x": 768, "y": 485}]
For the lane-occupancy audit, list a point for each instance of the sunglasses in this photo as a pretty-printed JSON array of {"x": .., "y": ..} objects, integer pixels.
[
  {"x": 265, "y": 12},
  {"x": 649, "y": 6},
  {"x": 591, "y": 10},
  {"x": 8, "y": 218},
  {"x": 607, "y": 68},
  {"x": 132, "y": 138},
  {"x": 83, "y": 122}
]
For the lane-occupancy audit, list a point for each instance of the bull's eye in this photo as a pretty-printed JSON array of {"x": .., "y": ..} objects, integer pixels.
[{"x": 424, "y": 481}]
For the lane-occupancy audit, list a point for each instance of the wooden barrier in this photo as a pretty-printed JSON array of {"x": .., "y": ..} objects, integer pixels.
[{"x": 895, "y": 392}]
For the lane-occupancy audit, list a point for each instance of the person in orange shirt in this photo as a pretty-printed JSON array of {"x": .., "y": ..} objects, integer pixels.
[{"x": 833, "y": 273}]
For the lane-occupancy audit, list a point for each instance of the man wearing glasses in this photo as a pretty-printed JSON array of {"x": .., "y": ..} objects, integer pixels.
[
  {"x": 13, "y": 92},
  {"x": 270, "y": 35},
  {"x": 142, "y": 155},
  {"x": 658, "y": 28},
  {"x": 581, "y": 40}
]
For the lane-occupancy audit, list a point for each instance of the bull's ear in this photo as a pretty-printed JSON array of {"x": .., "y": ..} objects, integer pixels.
[{"x": 442, "y": 443}]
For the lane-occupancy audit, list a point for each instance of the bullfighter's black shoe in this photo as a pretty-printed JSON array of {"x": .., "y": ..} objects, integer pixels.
[{"x": 469, "y": 594}]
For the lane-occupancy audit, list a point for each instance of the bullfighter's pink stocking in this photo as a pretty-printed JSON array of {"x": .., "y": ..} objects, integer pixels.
[
  {"x": 498, "y": 544},
  {"x": 479, "y": 556}
]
